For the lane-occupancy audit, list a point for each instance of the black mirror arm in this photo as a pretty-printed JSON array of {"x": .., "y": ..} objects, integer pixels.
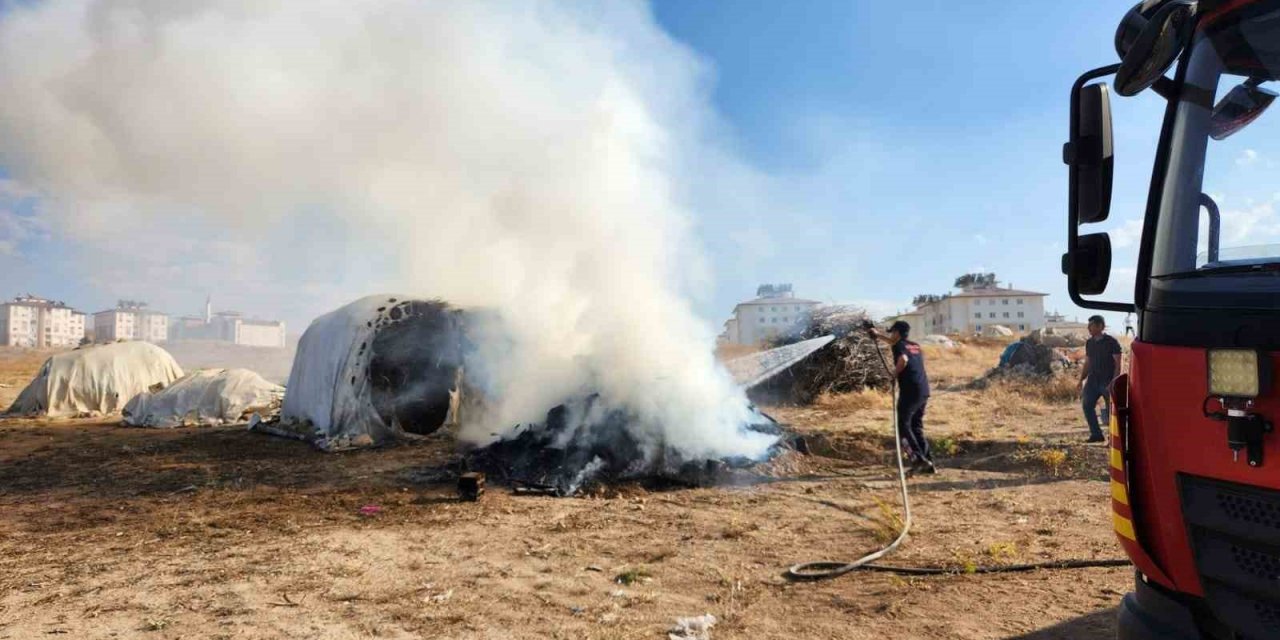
[
  {"x": 1164, "y": 88},
  {"x": 1073, "y": 222}
]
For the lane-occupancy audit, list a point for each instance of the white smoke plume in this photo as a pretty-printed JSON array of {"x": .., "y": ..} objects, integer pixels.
[{"x": 523, "y": 156}]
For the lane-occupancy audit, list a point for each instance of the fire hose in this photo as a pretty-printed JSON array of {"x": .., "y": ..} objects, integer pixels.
[{"x": 827, "y": 569}]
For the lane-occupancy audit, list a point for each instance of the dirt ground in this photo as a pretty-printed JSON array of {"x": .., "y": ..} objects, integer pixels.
[{"x": 108, "y": 532}]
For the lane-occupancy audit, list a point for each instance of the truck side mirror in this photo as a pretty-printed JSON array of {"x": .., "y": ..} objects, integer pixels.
[
  {"x": 1241, "y": 106},
  {"x": 1149, "y": 54},
  {"x": 1090, "y": 264},
  {"x": 1089, "y": 153}
]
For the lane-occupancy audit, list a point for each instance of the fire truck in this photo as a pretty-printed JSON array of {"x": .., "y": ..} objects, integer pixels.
[{"x": 1194, "y": 458}]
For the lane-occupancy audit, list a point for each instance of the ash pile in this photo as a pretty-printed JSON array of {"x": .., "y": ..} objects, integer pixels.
[
  {"x": 582, "y": 445},
  {"x": 850, "y": 362}
]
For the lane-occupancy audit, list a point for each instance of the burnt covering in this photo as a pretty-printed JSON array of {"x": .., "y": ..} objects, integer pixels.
[{"x": 372, "y": 371}]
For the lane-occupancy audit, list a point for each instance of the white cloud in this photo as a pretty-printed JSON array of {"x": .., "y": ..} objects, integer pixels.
[
  {"x": 979, "y": 238},
  {"x": 1127, "y": 234},
  {"x": 1247, "y": 157}
]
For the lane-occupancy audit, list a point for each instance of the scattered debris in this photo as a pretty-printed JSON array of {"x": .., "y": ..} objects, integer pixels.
[
  {"x": 595, "y": 568},
  {"x": 695, "y": 628},
  {"x": 471, "y": 486},
  {"x": 441, "y": 598},
  {"x": 285, "y": 601},
  {"x": 370, "y": 510}
]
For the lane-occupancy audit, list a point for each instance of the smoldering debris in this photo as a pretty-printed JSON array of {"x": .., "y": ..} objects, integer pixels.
[
  {"x": 582, "y": 443},
  {"x": 849, "y": 363}
]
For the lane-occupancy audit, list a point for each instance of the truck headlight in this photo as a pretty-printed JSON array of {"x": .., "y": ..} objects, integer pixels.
[{"x": 1237, "y": 373}]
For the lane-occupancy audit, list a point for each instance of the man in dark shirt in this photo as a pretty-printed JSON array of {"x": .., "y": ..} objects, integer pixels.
[
  {"x": 1101, "y": 366},
  {"x": 913, "y": 394}
]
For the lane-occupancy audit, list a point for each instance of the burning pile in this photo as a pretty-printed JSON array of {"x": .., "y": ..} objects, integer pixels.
[
  {"x": 850, "y": 363},
  {"x": 581, "y": 443}
]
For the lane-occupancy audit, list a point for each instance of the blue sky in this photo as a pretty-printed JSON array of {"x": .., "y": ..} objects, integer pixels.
[
  {"x": 900, "y": 145},
  {"x": 927, "y": 137}
]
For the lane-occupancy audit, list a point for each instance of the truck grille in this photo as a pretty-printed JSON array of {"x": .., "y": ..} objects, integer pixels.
[{"x": 1235, "y": 539}]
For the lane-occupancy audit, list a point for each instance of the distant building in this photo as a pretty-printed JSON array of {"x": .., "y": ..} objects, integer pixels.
[
  {"x": 979, "y": 305},
  {"x": 1062, "y": 326},
  {"x": 229, "y": 326},
  {"x": 29, "y": 321},
  {"x": 774, "y": 310},
  {"x": 130, "y": 320},
  {"x": 913, "y": 318}
]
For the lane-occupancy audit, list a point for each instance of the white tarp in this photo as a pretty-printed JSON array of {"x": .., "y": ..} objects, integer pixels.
[
  {"x": 208, "y": 397},
  {"x": 329, "y": 397},
  {"x": 96, "y": 380}
]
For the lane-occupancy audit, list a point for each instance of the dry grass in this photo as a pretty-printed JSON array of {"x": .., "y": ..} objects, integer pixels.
[
  {"x": 855, "y": 401},
  {"x": 961, "y": 364}
]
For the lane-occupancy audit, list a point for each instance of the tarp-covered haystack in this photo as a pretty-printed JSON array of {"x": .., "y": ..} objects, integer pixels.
[
  {"x": 849, "y": 363},
  {"x": 208, "y": 397},
  {"x": 96, "y": 380},
  {"x": 1025, "y": 359},
  {"x": 581, "y": 443},
  {"x": 373, "y": 371}
]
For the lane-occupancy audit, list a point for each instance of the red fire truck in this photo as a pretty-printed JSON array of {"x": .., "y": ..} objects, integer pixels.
[{"x": 1194, "y": 461}]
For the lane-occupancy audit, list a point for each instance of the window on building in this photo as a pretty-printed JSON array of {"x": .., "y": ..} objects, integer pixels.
[
  {"x": 1020, "y": 314},
  {"x": 993, "y": 314},
  {"x": 761, "y": 319},
  {"x": 977, "y": 315},
  {"x": 1022, "y": 327},
  {"x": 1006, "y": 314},
  {"x": 1004, "y": 301},
  {"x": 978, "y": 327},
  {"x": 773, "y": 308},
  {"x": 1019, "y": 300}
]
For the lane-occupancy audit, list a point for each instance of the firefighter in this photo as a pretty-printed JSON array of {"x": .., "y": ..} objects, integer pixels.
[
  {"x": 913, "y": 394},
  {"x": 1101, "y": 366}
]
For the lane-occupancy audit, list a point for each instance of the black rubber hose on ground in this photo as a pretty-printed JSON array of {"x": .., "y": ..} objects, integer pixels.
[{"x": 827, "y": 569}]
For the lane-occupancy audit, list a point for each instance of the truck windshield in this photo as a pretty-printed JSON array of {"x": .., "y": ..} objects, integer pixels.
[{"x": 1219, "y": 225}]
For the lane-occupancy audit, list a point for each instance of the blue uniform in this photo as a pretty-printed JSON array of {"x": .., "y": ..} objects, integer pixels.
[{"x": 913, "y": 397}]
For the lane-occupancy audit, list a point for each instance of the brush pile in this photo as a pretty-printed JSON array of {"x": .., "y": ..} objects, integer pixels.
[{"x": 850, "y": 363}]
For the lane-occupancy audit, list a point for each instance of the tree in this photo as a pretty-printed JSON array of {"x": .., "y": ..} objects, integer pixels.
[{"x": 976, "y": 281}]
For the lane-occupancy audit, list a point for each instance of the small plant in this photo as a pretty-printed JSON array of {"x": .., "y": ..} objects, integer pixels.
[
  {"x": 156, "y": 624},
  {"x": 888, "y": 524},
  {"x": 945, "y": 446},
  {"x": 632, "y": 576},
  {"x": 1053, "y": 459},
  {"x": 1002, "y": 550}
]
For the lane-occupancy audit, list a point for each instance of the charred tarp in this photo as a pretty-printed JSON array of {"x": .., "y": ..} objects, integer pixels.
[
  {"x": 373, "y": 371},
  {"x": 581, "y": 444}
]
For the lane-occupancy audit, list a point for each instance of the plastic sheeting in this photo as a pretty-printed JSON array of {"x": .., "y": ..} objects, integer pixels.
[
  {"x": 208, "y": 397},
  {"x": 100, "y": 379},
  {"x": 331, "y": 399}
]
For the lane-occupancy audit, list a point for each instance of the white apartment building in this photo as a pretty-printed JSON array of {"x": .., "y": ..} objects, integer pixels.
[
  {"x": 975, "y": 308},
  {"x": 229, "y": 326},
  {"x": 29, "y": 321},
  {"x": 773, "y": 311},
  {"x": 130, "y": 320}
]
